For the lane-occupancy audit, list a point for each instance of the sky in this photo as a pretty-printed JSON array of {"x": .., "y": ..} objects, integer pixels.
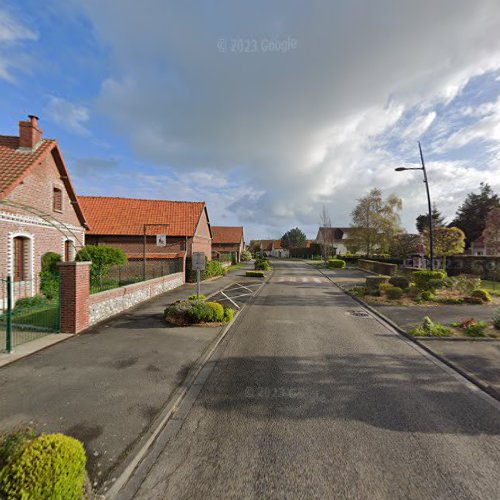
[{"x": 265, "y": 110}]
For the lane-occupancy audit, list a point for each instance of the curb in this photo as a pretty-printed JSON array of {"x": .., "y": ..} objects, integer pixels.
[
  {"x": 173, "y": 404},
  {"x": 484, "y": 387}
]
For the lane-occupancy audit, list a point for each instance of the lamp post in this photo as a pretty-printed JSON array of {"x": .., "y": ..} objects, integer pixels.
[
  {"x": 426, "y": 182},
  {"x": 144, "y": 242}
]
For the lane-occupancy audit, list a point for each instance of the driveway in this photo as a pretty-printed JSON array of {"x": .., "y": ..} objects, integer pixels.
[{"x": 310, "y": 399}]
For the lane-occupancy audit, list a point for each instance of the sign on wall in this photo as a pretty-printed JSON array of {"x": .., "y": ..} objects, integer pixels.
[{"x": 161, "y": 240}]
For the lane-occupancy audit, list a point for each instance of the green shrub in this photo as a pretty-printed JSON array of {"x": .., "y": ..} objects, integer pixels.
[
  {"x": 262, "y": 265},
  {"x": 245, "y": 256},
  {"x": 400, "y": 282},
  {"x": 463, "y": 283},
  {"x": 423, "y": 279},
  {"x": 383, "y": 287},
  {"x": 476, "y": 329},
  {"x": 427, "y": 295},
  {"x": 255, "y": 274},
  {"x": 102, "y": 258},
  {"x": 436, "y": 284},
  {"x": 430, "y": 329},
  {"x": 176, "y": 313},
  {"x": 199, "y": 312},
  {"x": 448, "y": 300},
  {"x": 359, "y": 291},
  {"x": 195, "y": 297},
  {"x": 394, "y": 293},
  {"x": 37, "y": 301},
  {"x": 49, "y": 276},
  {"x": 217, "y": 311},
  {"x": 228, "y": 314},
  {"x": 413, "y": 291},
  {"x": 51, "y": 466},
  {"x": 496, "y": 319},
  {"x": 12, "y": 443},
  {"x": 336, "y": 264},
  {"x": 473, "y": 300},
  {"x": 482, "y": 294},
  {"x": 373, "y": 282}
]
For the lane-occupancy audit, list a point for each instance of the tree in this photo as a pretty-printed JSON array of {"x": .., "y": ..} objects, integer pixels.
[
  {"x": 471, "y": 215},
  {"x": 491, "y": 233},
  {"x": 423, "y": 220},
  {"x": 447, "y": 241},
  {"x": 375, "y": 222},
  {"x": 325, "y": 237},
  {"x": 294, "y": 238},
  {"x": 102, "y": 258},
  {"x": 403, "y": 245}
]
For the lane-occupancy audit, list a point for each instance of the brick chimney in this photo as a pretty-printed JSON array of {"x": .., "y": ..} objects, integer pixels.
[{"x": 30, "y": 134}]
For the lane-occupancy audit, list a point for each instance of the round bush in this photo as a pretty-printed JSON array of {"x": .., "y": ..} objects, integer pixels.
[
  {"x": 400, "y": 282},
  {"x": 482, "y": 294},
  {"x": 245, "y": 256},
  {"x": 422, "y": 278},
  {"x": 394, "y": 293},
  {"x": 49, "y": 467},
  {"x": 436, "y": 284},
  {"x": 199, "y": 312},
  {"x": 336, "y": 264},
  {"x": 383, "y": 287},
  {"x": 262, "y": 265},
  {"x": 427, "y": 295},
  {"x": 195, "y": 297},
  {"x": 217, "y": 311}
]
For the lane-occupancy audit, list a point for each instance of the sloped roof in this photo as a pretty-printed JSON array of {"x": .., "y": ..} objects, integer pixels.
[
  {"x": 127, "y": 216},
  {"x": 15, "y": 165},
  {"x": 276, "y": 244},
  {"x": 266, "y": 245},
  {"x": 227, "y": 234},
  {"x": 333, "y": 233}
]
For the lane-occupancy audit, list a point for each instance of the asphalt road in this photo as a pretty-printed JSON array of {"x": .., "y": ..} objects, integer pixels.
[{"x": 307, "y": 400}]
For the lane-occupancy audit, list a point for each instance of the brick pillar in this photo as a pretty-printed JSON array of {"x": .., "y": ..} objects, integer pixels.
[{"x": 74, "y": 296}]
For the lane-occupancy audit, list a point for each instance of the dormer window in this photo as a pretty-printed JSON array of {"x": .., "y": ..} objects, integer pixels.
[{"x": 57, "y": 200}]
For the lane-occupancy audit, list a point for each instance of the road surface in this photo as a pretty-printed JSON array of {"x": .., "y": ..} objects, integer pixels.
[{"x": 311, "y": 400}]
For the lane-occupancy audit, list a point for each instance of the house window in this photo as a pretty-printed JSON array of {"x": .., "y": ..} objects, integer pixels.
[
  {"x": 57, "y": 200},
  {"x": 20, "y": 258}
]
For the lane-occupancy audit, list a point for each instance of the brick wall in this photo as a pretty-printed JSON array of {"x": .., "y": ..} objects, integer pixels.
[
  {"x": 105, "y": 304},
  {"x": 74, "y": 295},
  {"x": 135, "y": 244}
]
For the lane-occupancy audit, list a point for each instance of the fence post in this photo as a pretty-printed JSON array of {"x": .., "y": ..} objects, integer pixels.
[
  {"x": 8, "y": 331},
  {"x": 74, "y": 296}
]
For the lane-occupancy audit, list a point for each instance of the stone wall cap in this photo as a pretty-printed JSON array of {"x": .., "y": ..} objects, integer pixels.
[{"x": 75, "y": 263}]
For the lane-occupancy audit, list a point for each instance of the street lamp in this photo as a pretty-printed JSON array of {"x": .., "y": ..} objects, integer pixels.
[{"x": 426, "y": 182}]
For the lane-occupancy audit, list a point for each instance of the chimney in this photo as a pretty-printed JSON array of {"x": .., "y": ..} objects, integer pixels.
[{"x": 30, "y": 134}]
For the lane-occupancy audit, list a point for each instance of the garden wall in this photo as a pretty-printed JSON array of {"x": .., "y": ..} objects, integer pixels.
[
  {"x": 110, "y": 302},
  {"x": 487, "y": 267},
  {"x": 378, "y": 267}
]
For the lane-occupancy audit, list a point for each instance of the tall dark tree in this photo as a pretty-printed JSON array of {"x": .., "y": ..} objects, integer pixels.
[
  {"x": 295, "y": 238},
  {"x": 423, "y": 220},
  {"x": 471, "y": 215}
]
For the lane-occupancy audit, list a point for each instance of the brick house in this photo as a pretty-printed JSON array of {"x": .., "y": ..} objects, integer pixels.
[
  {"x": 278, "y": 251},
  {"x": 227, "y": 240},
  {"x": 39, "y": 210},
  {"x": 133, "y": 224}
]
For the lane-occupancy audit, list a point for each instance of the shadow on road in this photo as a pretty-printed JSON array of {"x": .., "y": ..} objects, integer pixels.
[{"x": 384, "y": 391}]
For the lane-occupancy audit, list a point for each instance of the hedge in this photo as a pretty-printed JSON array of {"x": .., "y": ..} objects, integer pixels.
[
  {"x": 51, "y": 466},
  {"x": 213, "y": 268}
]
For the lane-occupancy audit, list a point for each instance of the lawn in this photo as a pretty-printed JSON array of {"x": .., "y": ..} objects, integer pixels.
[
  {"x": 236, "y": 266},
  {"x": 491, "y": 286},
  {"x": 46, "y": 318}
]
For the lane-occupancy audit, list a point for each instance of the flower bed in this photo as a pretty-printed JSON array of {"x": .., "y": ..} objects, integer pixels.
[{"x": 197, "y": 312}]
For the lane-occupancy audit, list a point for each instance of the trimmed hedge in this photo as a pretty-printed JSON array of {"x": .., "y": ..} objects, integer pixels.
[
  {"x": 255, "y": 274},
  {"x": 336, "y": 264},
  {"x": 425, "y": 280},
  {"x": 187, "y": 312},
  {"x": 51, "y": 466},
  {"x": 373, "y": 282},
  {"x": 378, "y": 267},
  {"x": 213, "y": 268},
  {"x": 400, "y": 282},
  {"x": 394, "y": 293}
]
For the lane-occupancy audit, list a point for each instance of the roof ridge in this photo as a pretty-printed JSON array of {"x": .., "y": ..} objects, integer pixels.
[{"x": 137, "y": 199}]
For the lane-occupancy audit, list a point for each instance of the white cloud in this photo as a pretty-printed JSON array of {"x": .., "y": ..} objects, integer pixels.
[
  {"x": 304, "y": 127},
  {"x": 12, "y": 34},
  {"x": 68, "y": 114}
]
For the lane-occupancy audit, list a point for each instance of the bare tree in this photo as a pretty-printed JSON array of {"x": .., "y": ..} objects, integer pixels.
[{"x": 325, "y": 237}]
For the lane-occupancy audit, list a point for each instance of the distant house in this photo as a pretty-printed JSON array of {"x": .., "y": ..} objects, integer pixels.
[
  {"x": 278, "y": 251},
  {"x": 478, "y": 247},
  {"x": 335, "y": 238},
  {"x": 227, "y": 240},
  {"x": 39, "y": 210},
  {"x": 266, "y": 248},
  {"x": 134, "y": 224}
]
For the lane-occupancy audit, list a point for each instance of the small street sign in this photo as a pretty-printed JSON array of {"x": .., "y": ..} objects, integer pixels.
[
  {"x": 198, "y": 261},
  {"x": 161, "y": 240}
]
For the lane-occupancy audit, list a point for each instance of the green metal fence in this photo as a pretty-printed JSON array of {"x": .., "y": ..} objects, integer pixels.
[
  {"x": 134, "y": 271},
  {"x": 25, "y": 314}
]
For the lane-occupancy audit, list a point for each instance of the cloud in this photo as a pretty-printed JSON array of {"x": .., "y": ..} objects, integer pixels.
[
  {"x": 12, "y": 36},
  {"x": 304, "y": 128},
  {"x": 68, "y": 115}
]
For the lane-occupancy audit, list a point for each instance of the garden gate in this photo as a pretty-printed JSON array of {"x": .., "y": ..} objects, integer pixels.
[{"x": 25, "y": 314}]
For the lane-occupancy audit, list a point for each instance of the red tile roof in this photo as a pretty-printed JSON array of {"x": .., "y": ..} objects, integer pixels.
[
  {"x": 227, "y": 234},
  {"x": 14, "y": 164},
  {"x": 266, "y": 245},
  {"x": 127, "y": 216},
  {"x": 276, "y": 244}
]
